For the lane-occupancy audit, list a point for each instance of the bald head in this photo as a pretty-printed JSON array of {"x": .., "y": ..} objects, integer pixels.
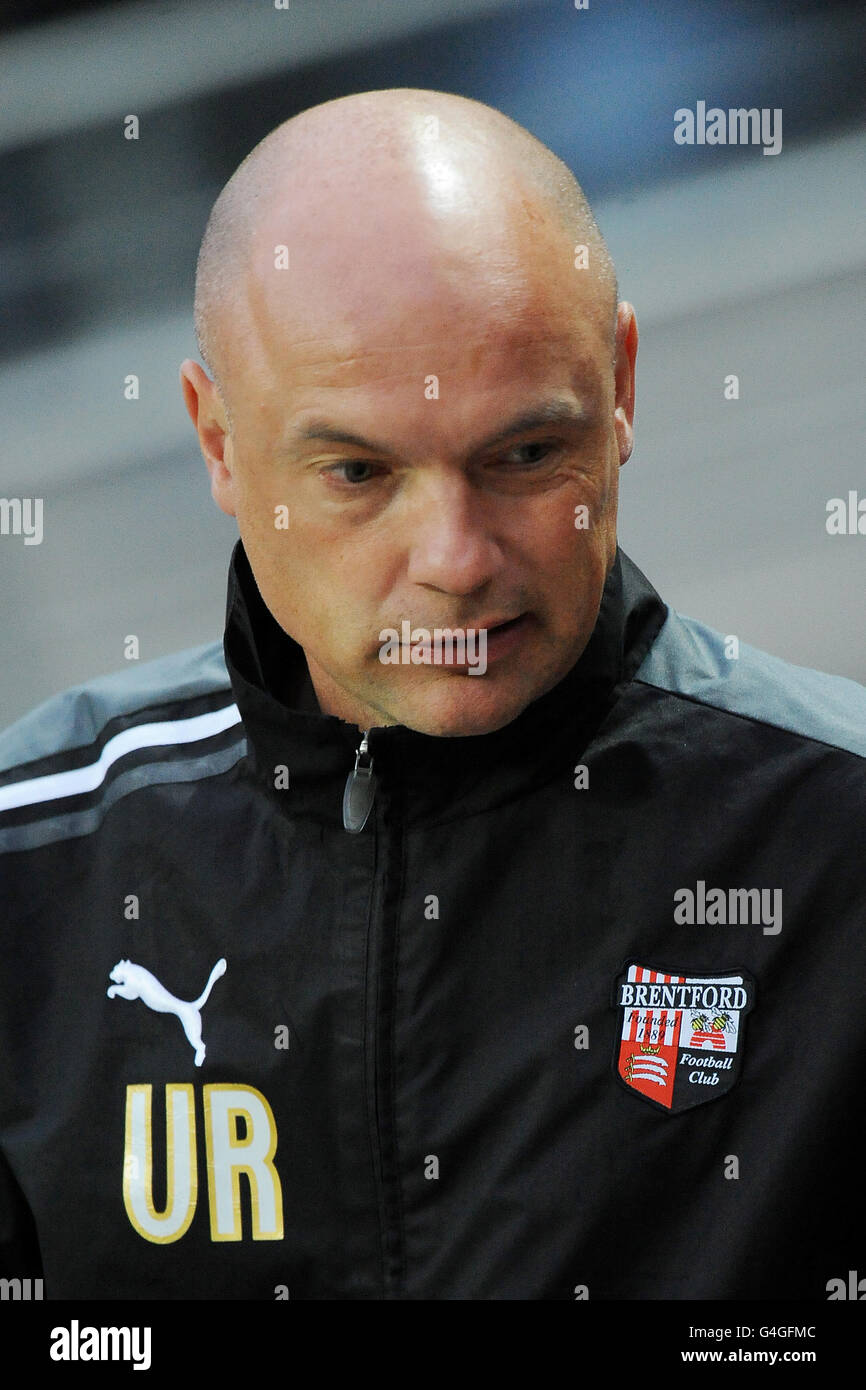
[
  {"x": 421, "y": 399},
  {"x": 405, "y": 168}
]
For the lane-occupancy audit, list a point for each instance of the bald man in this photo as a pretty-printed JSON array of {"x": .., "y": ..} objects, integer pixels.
[
  {"x": 468, "y": 924},
  {"x": 415, "y": 377}
]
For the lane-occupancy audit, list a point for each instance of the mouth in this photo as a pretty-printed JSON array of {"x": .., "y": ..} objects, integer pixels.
[
  {"x": 496, "y": 640},
  {"x": 478, "y": 644},
  {"x": 506, "y": 626},
  {"x": 505, "y": 637}
]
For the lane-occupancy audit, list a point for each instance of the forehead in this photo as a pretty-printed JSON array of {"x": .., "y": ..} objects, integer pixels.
[
  {"x": 444, "y": 395},
  {"x": 481, "y": 341},
  {"x": 376, "y": 295}
]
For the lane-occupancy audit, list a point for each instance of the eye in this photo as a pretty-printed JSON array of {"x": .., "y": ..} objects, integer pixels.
[
  {"x": 350, "y": 470},
  {"x": 532, "y": 454}
]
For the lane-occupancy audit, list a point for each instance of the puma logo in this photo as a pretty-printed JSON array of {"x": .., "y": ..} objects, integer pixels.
[{"x": 134, "y": 982}]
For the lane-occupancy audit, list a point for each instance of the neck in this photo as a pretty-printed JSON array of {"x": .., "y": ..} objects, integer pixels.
[{"x": 334, "y": 700}]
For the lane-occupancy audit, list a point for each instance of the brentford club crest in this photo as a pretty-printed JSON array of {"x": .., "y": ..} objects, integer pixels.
[{"x": 681, "y": 1039}]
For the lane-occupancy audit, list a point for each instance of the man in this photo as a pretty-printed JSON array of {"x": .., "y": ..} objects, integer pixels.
[{"x": 481, "y": 929}]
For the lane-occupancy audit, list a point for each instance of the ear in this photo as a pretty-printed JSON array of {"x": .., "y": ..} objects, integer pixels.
[
  {"x": 209, "y": 416},
  {"x": 626, "y": 353}
]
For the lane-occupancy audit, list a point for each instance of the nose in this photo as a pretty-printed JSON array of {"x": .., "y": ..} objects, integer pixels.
[{"x": 452, "y": 547}]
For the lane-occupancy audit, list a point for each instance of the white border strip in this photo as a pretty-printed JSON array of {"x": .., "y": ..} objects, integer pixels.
[{"x": 86, "y": 779}]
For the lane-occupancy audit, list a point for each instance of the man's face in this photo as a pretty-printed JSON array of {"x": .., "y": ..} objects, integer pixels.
[{"x": 440, "y": 451}]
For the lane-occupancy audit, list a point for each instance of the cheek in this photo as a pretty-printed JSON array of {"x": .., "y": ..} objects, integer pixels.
[
  {"x": 320, "y": 590},
  {"x": 594, "y": 506},
  {"x": 559, "y": 529},
  {"x": 569, "y": 549}
]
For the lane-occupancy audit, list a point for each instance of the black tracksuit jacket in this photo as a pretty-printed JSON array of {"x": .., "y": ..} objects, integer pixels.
[{"x": 578, "y": 1013}]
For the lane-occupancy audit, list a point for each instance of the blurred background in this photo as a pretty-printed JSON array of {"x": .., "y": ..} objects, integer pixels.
[{"x": 736, "y": 262}]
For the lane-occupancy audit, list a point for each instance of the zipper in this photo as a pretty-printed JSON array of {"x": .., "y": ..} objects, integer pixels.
[
  {"x": 360, "y": 789},
  {"x": 380, "y": 987}
]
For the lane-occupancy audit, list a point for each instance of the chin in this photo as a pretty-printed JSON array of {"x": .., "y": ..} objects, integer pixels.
[{"x": 462, "y": 716}]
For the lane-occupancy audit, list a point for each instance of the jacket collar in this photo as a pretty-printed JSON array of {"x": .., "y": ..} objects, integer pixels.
[{"x": 420, "y": 776}]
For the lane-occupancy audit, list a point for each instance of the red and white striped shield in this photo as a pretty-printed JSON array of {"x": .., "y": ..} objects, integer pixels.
[{"x": 681, "y": 1039}]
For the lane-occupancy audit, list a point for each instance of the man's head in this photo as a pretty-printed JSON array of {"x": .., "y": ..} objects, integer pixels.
[{"x": 421, "y": 399}]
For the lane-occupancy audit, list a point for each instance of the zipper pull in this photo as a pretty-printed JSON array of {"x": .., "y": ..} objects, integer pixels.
[{"x": 359, "y": 791}]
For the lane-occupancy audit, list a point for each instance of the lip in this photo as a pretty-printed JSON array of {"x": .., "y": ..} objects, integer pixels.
[
  {"x": 493, "y": 623},
  {"x": 503, "y": 638}
]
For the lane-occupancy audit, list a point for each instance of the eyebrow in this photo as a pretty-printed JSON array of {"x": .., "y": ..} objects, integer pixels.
[{"x": 547, "y": 413}]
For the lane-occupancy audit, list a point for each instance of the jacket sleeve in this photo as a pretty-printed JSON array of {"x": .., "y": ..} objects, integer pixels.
[{"x": 19, "y": 1247}]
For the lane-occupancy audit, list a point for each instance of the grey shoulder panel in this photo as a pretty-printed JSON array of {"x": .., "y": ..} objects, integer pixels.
[
  {"x": 688, "y": 658},
  {"x": 75, "y": 718}
]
